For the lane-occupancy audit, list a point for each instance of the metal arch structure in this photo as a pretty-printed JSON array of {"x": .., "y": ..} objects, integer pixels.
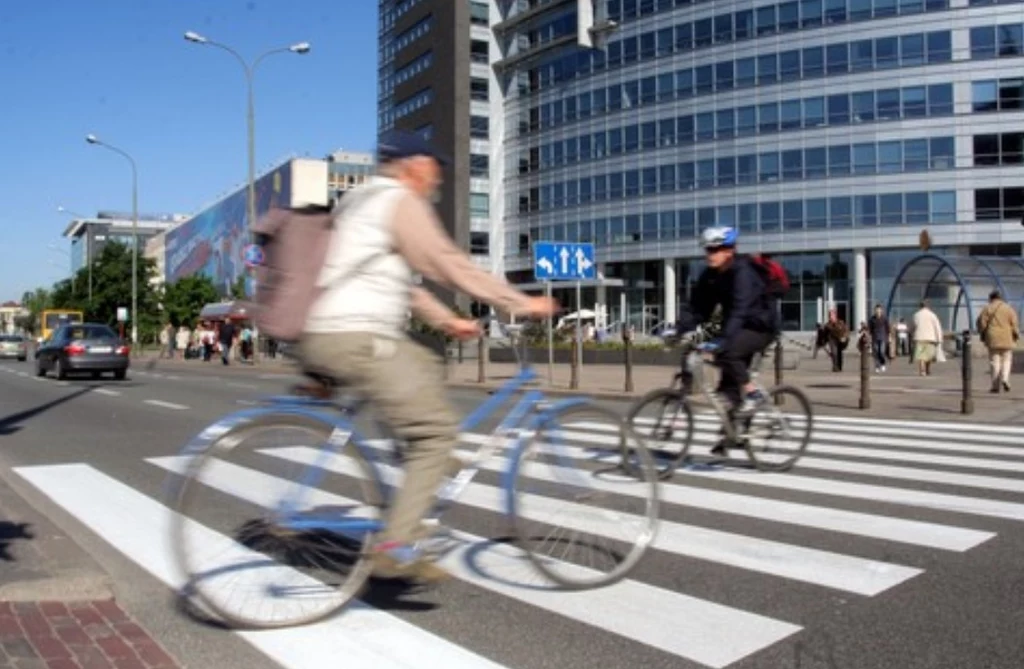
[{"x": 972, "y": 277}]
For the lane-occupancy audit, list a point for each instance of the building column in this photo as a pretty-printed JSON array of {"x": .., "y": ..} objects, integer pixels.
[
  {"x": 860, "y": 288},
  {"x": 601, "y": 299},
  {"x": 669, "y": 311}
]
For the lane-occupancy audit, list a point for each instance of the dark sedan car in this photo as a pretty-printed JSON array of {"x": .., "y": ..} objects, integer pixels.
[{"x": 91, "y": 348}]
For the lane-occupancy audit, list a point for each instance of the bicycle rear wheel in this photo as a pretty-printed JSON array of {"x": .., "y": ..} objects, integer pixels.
[
  {"x": 778, "y": 435},
  {"x": 259, "y": 540},
  {"x": 568, "y": 472},
  {"x": 664, "y": 420}
]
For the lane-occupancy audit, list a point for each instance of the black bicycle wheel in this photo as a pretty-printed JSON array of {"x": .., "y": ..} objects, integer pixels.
[
  {"x": 778, "y": 433},
  {"x": 664, "y": 421}
]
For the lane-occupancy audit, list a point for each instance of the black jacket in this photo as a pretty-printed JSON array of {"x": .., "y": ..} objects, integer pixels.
[{"x": 741, "y": 292}]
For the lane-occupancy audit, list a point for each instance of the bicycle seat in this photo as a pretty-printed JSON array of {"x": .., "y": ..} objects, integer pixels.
[{"x": 318, "y": 386}]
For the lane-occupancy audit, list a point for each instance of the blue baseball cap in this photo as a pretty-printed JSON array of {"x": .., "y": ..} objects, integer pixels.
[{"x": 398, "y": 144}]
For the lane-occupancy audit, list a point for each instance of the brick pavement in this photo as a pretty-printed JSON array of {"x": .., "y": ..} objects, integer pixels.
[{"x": 76, "y": 635}]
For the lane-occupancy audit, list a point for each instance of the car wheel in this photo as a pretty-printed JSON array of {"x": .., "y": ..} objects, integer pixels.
[
  {"x": 40, "y": 370},
  {"x": 120, "y": 374},
  {"x": 22, "y": 359},
  {"x": 58, "y": 369}
]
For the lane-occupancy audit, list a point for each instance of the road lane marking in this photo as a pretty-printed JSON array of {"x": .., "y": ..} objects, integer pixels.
[
  {"x": 167, "y": 405},
  {"x": 833, "y": 570},
  {"x": 920, "y": 533},
  {"x": 140, "y": 528},
  {"x": 106, "y": 391},
  {"x": 236, "y": 384},
  {"x": 714, "y": 634}
]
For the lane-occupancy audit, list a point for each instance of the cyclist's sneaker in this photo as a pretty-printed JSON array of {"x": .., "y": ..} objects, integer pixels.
[
  {"x": 721, "y": 448},
  {"x": 397, "y": 560},
  {"x": 751, "y": 402}
]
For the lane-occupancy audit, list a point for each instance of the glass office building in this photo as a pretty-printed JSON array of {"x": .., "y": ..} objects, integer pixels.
[{"x": 832, "y": 133}]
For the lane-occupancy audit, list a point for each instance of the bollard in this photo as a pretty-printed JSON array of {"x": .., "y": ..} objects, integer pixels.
[
  {"x": 779, "y": 397},
  {"x": 460, "y": 351},
  {"x": 481, "y": 360},
  {"x": 865, "y": 371},
  {"x": 967, "y": 402},
  {"x": 627, "y": 342},
  {"x": 574, "y": 367},
  {"x": 445, "y": 357}
]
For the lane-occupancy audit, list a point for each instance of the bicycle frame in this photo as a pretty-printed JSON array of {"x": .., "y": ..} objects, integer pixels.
[
  {"x": 343, "y": 432},
  {"x": 694, "y": 358}
]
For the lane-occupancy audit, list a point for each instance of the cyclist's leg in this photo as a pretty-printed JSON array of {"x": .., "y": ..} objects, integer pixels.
[{"x": 403, "y": 386}]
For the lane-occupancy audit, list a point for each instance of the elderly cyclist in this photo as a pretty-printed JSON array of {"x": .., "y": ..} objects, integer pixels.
[
  {"x": 356, "y": 328},
  {"x": 749, "y": 320}
]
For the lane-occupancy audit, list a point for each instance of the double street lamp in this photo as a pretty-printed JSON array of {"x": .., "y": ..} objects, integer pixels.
[
  {"x": 299, "y": 48},
  {"x": 92, "y": 139}
]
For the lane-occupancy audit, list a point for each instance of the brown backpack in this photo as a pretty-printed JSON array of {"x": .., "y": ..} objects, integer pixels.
[{"x": 295, "y": 244}]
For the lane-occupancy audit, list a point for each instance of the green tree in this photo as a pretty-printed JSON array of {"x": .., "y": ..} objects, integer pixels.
[
  {"x": 35, "y": 301},
  {"x": 238, "y": 288},
  {"x": 185, "y": 298},
  {"x": 112, "y": 288}
]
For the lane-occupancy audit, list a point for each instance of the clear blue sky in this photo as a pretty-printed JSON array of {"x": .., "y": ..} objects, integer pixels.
[{"x": 121, "y": 69}]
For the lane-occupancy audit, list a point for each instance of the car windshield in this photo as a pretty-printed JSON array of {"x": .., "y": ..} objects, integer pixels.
[
  {"x": 15, "y": 338},
  {"x": 91, "y": 332}
]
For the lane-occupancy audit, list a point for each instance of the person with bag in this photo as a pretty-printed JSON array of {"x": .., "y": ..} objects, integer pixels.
[
  {"x": 838, "y": 334},
  {"x": 355, "y": 328},
  {"x": 999, "y": 329}
]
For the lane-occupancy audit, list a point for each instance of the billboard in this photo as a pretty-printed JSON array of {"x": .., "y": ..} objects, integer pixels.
[{"x": 213, "y": 241}]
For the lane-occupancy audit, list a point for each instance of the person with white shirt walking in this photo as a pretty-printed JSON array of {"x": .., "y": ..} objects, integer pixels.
[{"x": 927, "y": 333}]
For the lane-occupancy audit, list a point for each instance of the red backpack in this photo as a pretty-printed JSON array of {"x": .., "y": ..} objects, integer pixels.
[{"x": 776, "y": 280}]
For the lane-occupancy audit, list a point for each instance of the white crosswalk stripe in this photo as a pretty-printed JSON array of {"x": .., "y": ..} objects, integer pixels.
[{"x": 959, "y": 476}]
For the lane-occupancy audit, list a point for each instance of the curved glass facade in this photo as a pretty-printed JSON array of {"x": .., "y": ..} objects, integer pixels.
[{"x": 832, "y": 132}]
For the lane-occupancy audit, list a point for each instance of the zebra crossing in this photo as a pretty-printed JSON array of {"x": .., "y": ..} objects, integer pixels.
[{"x": 935, "y": 490}]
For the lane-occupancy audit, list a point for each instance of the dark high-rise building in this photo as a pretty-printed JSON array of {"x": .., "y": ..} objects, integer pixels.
[{"x": 434, "y": 79}]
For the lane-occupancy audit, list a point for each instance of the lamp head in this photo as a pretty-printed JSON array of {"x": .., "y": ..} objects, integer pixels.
[
  {"x": 195, "y": 37},
  {"x": 92, "y": 139},
  {"x": 301, "y": 47}
]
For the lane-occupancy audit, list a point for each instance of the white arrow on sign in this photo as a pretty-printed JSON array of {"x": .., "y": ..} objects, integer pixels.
[
  {"x": 582, "y": 262},
  {"x": 546, "y": 265},
  {"x": 564, "y": 254}
]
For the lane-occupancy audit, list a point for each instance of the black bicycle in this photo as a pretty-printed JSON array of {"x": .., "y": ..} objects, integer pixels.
[{"x": 774, "y": 436}]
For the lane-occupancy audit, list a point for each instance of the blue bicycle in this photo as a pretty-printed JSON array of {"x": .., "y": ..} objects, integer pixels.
[{"x": 297, "y": 543}]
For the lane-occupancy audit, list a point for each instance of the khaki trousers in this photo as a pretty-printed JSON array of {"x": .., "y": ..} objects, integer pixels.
[
  {"x": 1000, "y": 361},
  {"x": 404, "y": 385}
]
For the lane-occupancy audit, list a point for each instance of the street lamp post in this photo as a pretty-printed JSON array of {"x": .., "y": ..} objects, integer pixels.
[
  {"x": 92, "y": 139},
  {"x": 88, "y": 245},
  {"x": 299, "y": 48}
]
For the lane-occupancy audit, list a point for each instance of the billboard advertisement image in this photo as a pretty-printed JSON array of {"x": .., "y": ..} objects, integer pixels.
[{"x": 213, "y": 242}]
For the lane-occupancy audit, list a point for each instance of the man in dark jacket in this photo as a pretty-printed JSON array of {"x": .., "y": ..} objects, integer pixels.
[
  {"x": 750, "y": 320},
  {"x": 878, "y": 326}
]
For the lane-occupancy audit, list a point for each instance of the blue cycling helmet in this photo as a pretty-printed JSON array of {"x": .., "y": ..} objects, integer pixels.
[{"x": 719, "y": 236}]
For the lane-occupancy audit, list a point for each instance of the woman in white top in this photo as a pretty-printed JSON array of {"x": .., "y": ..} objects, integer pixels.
[{"x": 927, "y": 338}]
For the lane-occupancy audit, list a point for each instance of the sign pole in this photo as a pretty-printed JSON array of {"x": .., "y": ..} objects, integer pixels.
[
  {"x": 579, "y": 326},
  {"x": 551, "y": 339}
]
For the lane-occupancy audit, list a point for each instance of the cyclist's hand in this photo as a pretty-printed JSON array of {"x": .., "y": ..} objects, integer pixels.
[
  {"x": 462, "y": 328},
  {"x": 540, "y": 307}
]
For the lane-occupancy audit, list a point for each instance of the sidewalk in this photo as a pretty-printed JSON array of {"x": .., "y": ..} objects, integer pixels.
[
  {"x": 899, "y": 393},
  {"x": 57, "y": 606}
]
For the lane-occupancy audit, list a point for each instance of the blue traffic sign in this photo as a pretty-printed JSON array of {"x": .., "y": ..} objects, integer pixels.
[
  {"x": 563, "y": 261},
  {"x": 253, "y": 255}
]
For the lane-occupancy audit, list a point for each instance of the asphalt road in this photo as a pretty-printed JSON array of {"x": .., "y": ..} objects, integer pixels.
[{"x": 893, "y": 545}]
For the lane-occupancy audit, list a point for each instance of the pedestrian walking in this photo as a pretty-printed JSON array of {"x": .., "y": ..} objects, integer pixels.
[
  {"x": 878, "y": 326},
  {"x": 927, "y": 334},
  {"x": 838, "y": 338},
  {"x": 999, "y": 329}
]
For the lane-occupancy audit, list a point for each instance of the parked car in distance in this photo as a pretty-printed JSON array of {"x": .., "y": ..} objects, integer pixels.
[
  {"x": 13, "y": 346},
  {"x": 92, "y": 348}
]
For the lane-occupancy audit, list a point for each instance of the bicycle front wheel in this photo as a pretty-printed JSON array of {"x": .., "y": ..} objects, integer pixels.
[
  {"x": 664, "y": 420},
  {"x": 580, "y": 520},
  {"x": 778, "y": 433},
  {"x": 261, "y": 541}
]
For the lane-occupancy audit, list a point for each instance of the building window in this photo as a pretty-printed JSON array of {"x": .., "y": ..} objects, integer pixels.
[
  {"x": 478, "y": 13},
  {"x": 479, "y": 166},
  {"x": 480, "y": 243}
]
